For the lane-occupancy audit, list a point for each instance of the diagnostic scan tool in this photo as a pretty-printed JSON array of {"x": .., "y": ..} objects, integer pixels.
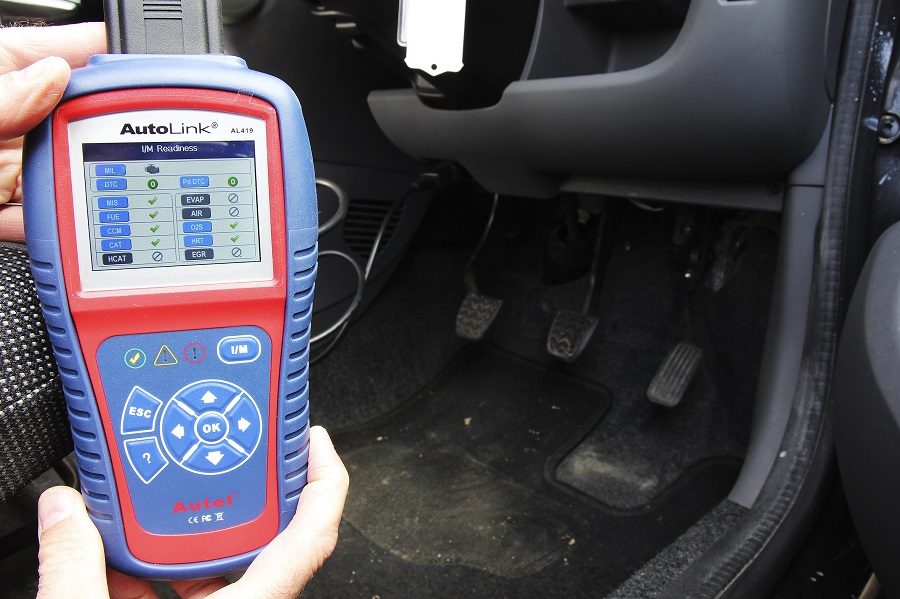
[{"x": 172, "y": 226}]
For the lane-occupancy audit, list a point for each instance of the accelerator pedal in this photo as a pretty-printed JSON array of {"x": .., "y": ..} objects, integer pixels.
[
  {"x": 569, "y": 334},
  {"x": 675, "y": 375},
  {"x": 475, "y": 316}
]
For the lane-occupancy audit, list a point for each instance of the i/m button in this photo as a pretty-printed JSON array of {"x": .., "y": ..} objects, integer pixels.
[{"x": 238, "y": 349}]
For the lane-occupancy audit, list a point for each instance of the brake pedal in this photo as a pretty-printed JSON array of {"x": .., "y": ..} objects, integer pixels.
[
  {"x": 675, "y": 375},
  {"x": 475, "y": 316},
  {"x": 569, "y": 334}
]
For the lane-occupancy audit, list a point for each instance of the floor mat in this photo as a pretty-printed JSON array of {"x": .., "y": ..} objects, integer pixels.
[
  {"x": 456, "y": 510},
  {"x": 452, "y": 494},
  {"x": 628, "y": 463}
]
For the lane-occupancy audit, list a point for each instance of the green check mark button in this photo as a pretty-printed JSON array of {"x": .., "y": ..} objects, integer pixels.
[{"x": 135, "y": 358}]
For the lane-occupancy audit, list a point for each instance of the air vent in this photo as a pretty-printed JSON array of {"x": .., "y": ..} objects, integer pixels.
[{"x": 363, "y": 220}]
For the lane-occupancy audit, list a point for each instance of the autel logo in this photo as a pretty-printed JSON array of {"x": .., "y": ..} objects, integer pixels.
[
  {"x": 206, "y": 504},
  {"x": 153, "y": 129}
]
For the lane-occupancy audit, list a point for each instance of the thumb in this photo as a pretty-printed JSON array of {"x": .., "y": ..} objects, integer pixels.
[
  {"x": 71, "y": 562},
  {"x": 29, "y": 95}
]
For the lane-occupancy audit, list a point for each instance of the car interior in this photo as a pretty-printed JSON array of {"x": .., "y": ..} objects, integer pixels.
[{"x": 582, "y": 322}]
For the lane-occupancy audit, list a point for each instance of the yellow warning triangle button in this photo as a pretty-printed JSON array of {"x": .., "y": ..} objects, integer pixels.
[{"x": 165, "y": 357}]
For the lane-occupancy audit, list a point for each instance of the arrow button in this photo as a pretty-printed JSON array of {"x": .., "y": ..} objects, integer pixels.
[
  {"x": 204, "y": 396},
  {"x": 178, "y": 430},
  {"x": 245, "y": 423},
  {"x": 211, "y": 427},
  {"x": 214, "y": 459}
]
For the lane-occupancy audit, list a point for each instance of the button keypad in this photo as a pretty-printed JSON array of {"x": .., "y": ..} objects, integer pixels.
[
  {"x": 208, "y": 424},
  {"x": 211, "y": 427}
]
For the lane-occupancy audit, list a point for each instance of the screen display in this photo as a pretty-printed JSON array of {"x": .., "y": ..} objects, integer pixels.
[
  {"x": 171, "y": 203},
  {"x": 168, "y": 198}
]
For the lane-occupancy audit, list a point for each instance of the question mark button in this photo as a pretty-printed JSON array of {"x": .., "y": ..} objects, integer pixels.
[{"x": 146, "y": 457}]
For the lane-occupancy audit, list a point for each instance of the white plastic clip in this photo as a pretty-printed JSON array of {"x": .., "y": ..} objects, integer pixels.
[{"x": 433, "y": 32}]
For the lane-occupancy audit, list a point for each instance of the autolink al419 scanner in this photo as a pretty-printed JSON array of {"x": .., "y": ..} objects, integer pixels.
[{"x": 171, "y": 222}]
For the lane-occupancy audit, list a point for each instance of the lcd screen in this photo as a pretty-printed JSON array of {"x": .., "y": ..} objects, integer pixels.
[
  {"x": 162, "y": 204},
  {"x": 165, "y": 198}
]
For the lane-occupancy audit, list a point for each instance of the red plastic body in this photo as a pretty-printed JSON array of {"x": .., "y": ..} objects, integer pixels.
[{"x": 100, "y": 315}]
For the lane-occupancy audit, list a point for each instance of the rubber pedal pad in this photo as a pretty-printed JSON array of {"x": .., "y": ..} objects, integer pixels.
[
  {"x": 569, "y": 334},
  {"x": 475, "y": 316},
  {"x": 675, "y": 375}
]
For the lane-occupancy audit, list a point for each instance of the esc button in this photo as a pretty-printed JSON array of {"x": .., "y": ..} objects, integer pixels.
[{"x": 139, "y": 415}]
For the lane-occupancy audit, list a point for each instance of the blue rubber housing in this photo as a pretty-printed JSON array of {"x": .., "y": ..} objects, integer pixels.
[{"x": 115, "y": 72}]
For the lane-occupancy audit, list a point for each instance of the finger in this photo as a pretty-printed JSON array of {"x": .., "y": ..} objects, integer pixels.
[
  {"x": 12, "y": 225},
  {"x": 198, "y": 589},
  {"x": 28, "y": 96},
  {"x": 122, "y": 586},
  {"x": 71, "y": 562},
  {"x": 286, "y": 565},
  {"x": 10, "y": 167},
  {"x": 22, "y": 46}
]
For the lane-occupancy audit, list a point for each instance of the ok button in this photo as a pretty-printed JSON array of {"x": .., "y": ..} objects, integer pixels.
[{"x": 211, "y": 427}]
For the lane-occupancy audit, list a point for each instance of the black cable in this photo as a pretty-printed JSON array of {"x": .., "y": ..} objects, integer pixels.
[
  {"x": 153, "y": 27},
  {"x": 469, "y": 272},
  {"x": 340, "y": 326},
  {"x": 384, "y": 225},
  {"x": 360, "y": 288},
  {"x": 343, "y": 205},
  {"x": 314, "y": 359}
]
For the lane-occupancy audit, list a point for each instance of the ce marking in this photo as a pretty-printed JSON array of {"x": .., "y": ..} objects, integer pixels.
[{"x": 199, "y": 519}]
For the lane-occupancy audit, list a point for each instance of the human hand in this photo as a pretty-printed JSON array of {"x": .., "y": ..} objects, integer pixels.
[
  {"x": 35, "y": 63},
  {"x": 72, "y": 565}
]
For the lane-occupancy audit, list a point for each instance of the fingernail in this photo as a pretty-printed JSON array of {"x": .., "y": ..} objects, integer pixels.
[
  {"x": 54, "y": 505},
  {"x": 40, "y": 69}
]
